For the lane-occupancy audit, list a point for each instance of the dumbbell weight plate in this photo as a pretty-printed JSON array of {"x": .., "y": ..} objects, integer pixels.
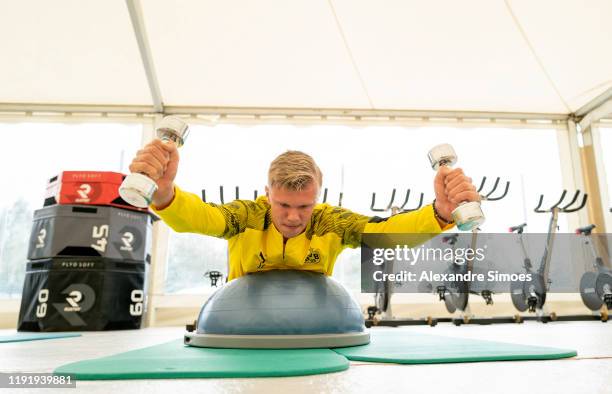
[
  {"x": 468, "y": 215},
  {"x": 442, "y": 153},
  {"x": 137, "y": 190},
  {"x": 173, "y": 128}
]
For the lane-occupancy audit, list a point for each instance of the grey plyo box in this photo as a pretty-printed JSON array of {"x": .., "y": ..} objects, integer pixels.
[{"x": 76, "y": 230}]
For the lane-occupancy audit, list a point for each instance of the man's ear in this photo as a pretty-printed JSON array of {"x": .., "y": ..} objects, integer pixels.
[{"x": 267, "y": 192}]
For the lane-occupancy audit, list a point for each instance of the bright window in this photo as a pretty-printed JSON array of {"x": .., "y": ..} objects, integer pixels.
[
  {"x": 33, "y": 153},
  {"x": 359, "y": 161}
]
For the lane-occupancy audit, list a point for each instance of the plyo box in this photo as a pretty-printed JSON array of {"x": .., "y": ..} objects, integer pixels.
[
  {"x": 83, "y": 294},
  {"x": 75, "y": 230},
  {"x": 88, "y": 188}
]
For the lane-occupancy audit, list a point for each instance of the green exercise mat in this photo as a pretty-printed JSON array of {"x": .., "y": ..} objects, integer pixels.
[
  {"x": 35, "y": 336},
  {"x": 175, "y": 360},
  {"x": 412, "y": 348}
]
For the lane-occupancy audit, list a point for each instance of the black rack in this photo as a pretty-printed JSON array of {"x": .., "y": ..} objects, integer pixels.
[
  {"x": 566, "y": 208},
  {"x": 400, "y": 208},
  {"x": 487, "y": 197},
  {"x": 221, "y": 198},
  {"x": 339, "y": 198}
]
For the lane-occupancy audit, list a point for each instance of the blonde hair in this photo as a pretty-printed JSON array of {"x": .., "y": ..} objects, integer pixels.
[{"x": 294, "y": 170}]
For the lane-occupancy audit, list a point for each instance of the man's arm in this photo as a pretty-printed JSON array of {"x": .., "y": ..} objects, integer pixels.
[
  {"x": 451, "y": 187},
  {"x": 187, "y": 213},
  {"x": 421, "y": 221}
]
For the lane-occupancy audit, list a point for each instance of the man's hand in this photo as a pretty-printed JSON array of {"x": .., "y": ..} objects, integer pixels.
[
  {"x": 452, "y": 187},
  {"x": 159, "y": 161}
]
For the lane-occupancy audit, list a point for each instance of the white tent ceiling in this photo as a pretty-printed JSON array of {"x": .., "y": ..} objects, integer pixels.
[{"x": 544, "y": 56}]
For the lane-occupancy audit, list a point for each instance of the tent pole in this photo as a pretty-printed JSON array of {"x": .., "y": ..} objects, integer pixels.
[{"x": 140, "y": 32}]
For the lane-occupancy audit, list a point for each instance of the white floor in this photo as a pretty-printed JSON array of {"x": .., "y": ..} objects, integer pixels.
[{"x": 590, "y": 372}]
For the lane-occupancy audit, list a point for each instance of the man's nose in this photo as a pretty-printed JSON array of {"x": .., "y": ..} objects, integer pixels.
[{"x": 293, "y": 215}]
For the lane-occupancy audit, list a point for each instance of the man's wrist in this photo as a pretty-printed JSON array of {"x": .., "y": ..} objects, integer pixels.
[
  {"x": 164, "y": 201},
  {"x": 439, "y": 217}
]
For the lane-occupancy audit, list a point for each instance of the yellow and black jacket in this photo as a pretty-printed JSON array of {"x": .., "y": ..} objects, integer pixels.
[{"x": 256, "y": 245}]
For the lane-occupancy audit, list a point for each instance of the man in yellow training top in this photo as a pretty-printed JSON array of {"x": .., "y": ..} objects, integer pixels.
[{"x": 286, "y": 228}]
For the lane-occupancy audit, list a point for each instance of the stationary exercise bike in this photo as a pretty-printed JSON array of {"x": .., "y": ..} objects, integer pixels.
[
  {"x": 596, "y": 286},
  {"x": 531, "y": 295}
]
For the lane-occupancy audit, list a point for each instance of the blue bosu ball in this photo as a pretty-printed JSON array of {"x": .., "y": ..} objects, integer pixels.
[{"x": 280, "y": 309}]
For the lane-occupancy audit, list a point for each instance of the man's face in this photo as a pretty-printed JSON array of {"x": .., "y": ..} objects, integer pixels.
[{"x": 291, "y": 210}]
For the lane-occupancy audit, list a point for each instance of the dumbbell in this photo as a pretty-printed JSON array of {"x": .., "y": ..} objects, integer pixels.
[
  {"x": 467, "y": 215},
  {"x": 138, "y": 188}
]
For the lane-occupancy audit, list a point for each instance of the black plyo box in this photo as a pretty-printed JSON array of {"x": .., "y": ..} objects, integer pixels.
[
  {"x": 83, "y": 294},
  {"x": 75, "y": 230}
]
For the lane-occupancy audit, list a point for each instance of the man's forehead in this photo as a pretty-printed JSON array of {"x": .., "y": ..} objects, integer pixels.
[{"x": 294, "y": 197}]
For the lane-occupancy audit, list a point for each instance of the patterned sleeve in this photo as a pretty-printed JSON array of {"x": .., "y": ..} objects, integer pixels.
[
  {"x": 350, "y": 226},
  {"x": 345, "y": 224},
  {"x": 188, "y": 213},
  {"x": 242, "y": 214}
]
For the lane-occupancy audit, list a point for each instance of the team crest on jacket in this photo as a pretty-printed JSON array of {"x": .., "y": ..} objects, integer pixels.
[{"x": 314, "y": 256}]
